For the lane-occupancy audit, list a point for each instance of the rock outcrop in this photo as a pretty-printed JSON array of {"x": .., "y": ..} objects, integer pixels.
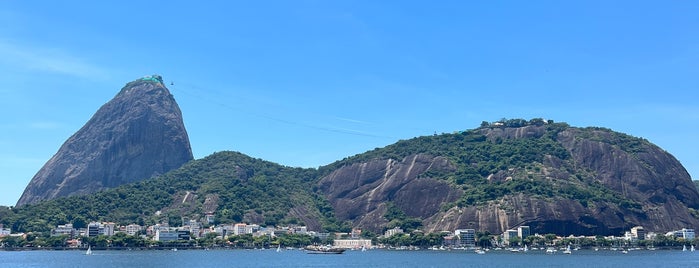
[
  {"x": 618, "y": 182},
  {"x": 360, "y": 192},
  {"x": 137, "y": 135}
]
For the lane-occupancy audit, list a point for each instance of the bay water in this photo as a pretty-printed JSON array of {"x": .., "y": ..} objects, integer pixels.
[{"x": 370, "y": 258}]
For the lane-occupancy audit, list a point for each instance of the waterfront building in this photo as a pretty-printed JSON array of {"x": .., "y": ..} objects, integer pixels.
[
  {"x": 392, "y": 232},
  {"x": 107, "y": 228},
  {"x": 300, "y": 230},
  {"x": 449, "y": 241},
  {"x": 133, "y": 229},
  {"x": 4, "y": 231},
  {"x": 183, "y": 234},
  {"x": 165, "y": 235},
  {"x": 523, "y": 232},
  {"x": 508, "y": 235},
  {"x": 687, "y": 234},
  {"x": 638, "y": 233},
  {"x": 93, "y": 229},
  {"x": 66, "y": 229},
  {"x": 321, "y": 236},
  {"x": 352, "y": 243},
  {"x": 194, "y": 227},
  {"x": 242, "y": 228},
  {"x": 100, "y": 228},
  {"x": 466, "y": 237},
  {"x": 252, "y": 228},
  {"x": 153, "y": 229}
]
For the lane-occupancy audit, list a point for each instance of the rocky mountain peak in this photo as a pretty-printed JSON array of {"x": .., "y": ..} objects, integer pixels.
[{"x": 136, "y": 135}]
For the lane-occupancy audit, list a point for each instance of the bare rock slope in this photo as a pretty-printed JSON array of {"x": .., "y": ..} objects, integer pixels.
[
  {"x": 552, "y": 177},
  {"x": 137, "y": 135}
]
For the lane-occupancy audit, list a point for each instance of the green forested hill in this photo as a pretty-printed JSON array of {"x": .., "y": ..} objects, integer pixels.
[
  {"x": 233, "y": 186},
  {"x": 477, "y": 157}
]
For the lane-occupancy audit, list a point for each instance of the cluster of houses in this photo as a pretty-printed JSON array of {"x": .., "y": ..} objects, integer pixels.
[
  {"x": 467, "y": 237},
  {"x": 193, "y": 229},
  {"x": 163, "y": 232}
]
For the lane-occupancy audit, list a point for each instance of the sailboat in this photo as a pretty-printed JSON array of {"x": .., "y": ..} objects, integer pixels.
[
  {"x": 89, "y": 250},
  {"x": 363, "y": 248},
  {"x": 279, "y": 248},
  {"x": 567, "y": 251},
  {"x": 692, "y": 248},
  {"x": 684, "y": 247}
]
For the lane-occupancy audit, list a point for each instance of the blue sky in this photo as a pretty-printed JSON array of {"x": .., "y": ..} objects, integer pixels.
[{"x": 305, "y": 83}]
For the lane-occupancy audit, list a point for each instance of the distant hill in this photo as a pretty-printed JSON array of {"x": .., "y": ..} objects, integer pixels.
[{"x": 550, "y": 176}]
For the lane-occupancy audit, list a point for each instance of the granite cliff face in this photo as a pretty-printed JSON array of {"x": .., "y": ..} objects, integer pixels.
[
  {"x": 360, "y": 192},
  {"x": 555, "y": 179},
  {"x": 137, "y": 135}
]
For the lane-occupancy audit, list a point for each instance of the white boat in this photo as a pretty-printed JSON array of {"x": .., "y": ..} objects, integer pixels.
[
  {"x": 279, "y": 248},
  {"x": 89, "y": 250},
  {"x": 550, "y": 250},
  {"x": 526, "y": 248},
  {"x": 363, "y": 248},
  {"x": 684, "y": 248},
  {"x": 480, "y": 251},
  {"x": 567, "y": 251},
  {"x": 692, "y": 248}
]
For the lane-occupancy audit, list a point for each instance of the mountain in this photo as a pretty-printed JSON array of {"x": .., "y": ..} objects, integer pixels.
[
  {"x": 136, "y": 135},
  {"x": 550, "y": 176}
]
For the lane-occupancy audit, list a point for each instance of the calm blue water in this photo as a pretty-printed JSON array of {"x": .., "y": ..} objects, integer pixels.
[{"x": 371, "y": 258}]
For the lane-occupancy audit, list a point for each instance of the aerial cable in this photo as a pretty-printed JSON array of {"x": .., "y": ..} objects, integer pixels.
[{"x": 216, "y": 101}]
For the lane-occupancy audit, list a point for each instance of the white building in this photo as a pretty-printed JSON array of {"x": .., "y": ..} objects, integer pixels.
[
  {"x": 4, "y": 232},
  {"x": 100, "y": 228},
  {"x": 133, "y": 229},
  {"x": 352, "y": 243},
  {"x": 107, "y": 228},
  {"x": 392, "y": 232},
  {"x": 194, "y": 227},
  {"x": 239, "y": 229},
  {"x": 300, "y": 230},
  {"x": 66, "y": 229},
  {"x": 508, "y": 235},
  {"x": 687, "y": 234}
]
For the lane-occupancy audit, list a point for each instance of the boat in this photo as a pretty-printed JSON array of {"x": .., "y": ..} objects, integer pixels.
[
  {"x": 692, "y": 248},
  {"x": 89, "y": 250},
  {"x": 567, "y": 251},
  {"x": 480, "y": 251},
  {"x": 324, "y": 250},
  {"x": 279, "y": 248},
  {"x": 363, "y": 248},
  {"x": 550, "y": 250},
  {"x": 684, "y": 248}
]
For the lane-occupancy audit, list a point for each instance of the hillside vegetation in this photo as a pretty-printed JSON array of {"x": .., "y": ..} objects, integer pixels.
[
  {"x": 551, "y": 176},
  {"x": 232, "y": 186}
]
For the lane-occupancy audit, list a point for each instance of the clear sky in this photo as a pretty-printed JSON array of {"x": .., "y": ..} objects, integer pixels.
[{"x": 305, "y": 83}]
